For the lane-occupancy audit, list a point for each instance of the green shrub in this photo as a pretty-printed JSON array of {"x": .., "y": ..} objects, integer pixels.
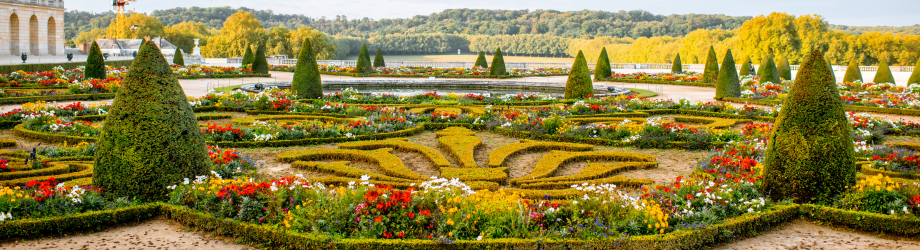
[
  {"x": 259, "y": 63},
  {"x": 768, "y": 71},
  {"x": 810, "y": 156},
  {"x": 247, "y": 57},
  {"x": 378, "y": 59},
  {"x": 728, "y": 84},
  {"x": 579, "y": 84},
  {"x": 853, "y": 73},
  {"x": 307, "y": 82},
  {"x": 677, "y": 66},
  {"x": 177, "y": 58},
  {"x": 712, "y": 66},
  {"x": 6, "y": 69},
  {"x": 747, "y": 68},
  {"x": 915, "y": 77},
  {"x": 602, "y": 67},
  {"x": 498, "y": 64},
  {"x": 151, "y": 138},
  {"x": 481, "y": 61},
  {"x": 883, "y": 74},
  {"x": 95, "y": 63},
  {"x": 763, "y": 62},
  {"x": 364, "y": 64},
  {"x": 785, "y": 71}
]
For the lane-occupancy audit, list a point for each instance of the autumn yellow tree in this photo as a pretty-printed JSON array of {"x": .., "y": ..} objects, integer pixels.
[
  {"x": 321, "y": 42},
  {"x": 123, "y": 27},
  {"x": 240, "y": 30},
  {"x": 183, "y": 35}
]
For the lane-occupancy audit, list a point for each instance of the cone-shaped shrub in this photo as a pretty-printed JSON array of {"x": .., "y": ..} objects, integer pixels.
[
  {"x": 712, "y": 66},
  {"x": 768, "y": 71},
  {"x": 677, "y": 66},
  {"x": 307, "y": 83},
  {"x": 498, "y": 64},
  {"x": 883, "y": 74},
  {"x": 247, "y": 57},
  {"x": 602, "y": 67},
  {"x": 95, "y": 63},
  {"x": 810, "y": 156},
  {"x": 178, "y": 59},
  {"x": 579, "y": 84},
  {"x": 378, "y": 59},
  {"x": 481, "y": 61},
  {"x": 831, "y": 67},
  {"x": 853, "y": 73},
  {"x": 914, "y": 77},
  {"x": 728, "y": 84},
  {"x": 746, "y": 67},
  {"x": 259, "y": 63},
  {"x": 785, "y": 71},
  {"x": 151, "y": 138},
  {"x": 364, "y": 63}
]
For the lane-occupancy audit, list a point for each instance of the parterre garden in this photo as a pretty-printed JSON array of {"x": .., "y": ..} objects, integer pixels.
[{"x": 453, "y": 171}]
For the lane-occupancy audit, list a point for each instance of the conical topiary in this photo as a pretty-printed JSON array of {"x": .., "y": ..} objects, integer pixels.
[
  {"x": 307, "y": 82},
  {"x": 364, "y": 63},
  {"x": 178, "y": 59},
  {"x": 768, "y": 72},
  {"x": 151, "y": 138},
  {"x": 747, "y": 68},
  {"x": 883, "y": 74},
  {"x": 728, "y": 84},
  {"x": 915, "y": 76},
  {"x": 768, "y": 56},
  {"x": 95, "y": 63},
  {"x": 785, "y": 71},
  {"x": 378, "y": 59},
  {"x": 259, "y": 63},
  {"x": 810, "y": 155},
  {"x": 579, "y": 84},
  {"x": 247, "y": 57},
  {"x": 831, "y": 67},
  {"x": 481, "y": 61},
  {"x": 712, "y": 66},
  {"x": 853, "y": 73},
  {"x": 677, "y": 66},
  {"x": 602, "y": 67},
  {"x": 498, "y": 64}
]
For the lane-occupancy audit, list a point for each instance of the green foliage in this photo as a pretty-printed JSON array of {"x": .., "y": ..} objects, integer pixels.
[
  {"x": 831, "y": 67},
  {"x": 785, "y": 71},
  {"x": 768, "y": 71},
  {"x": 95, "y": 63},
  {"x": 378, "y": 59},
  {"x": 579, "y": 84},
  {"x": 307, "y": 83},
  {"x": 712, "y": 66},
  {"x": 747, "y": 68},
  {"x": 247, "y": 57},
  {"x": 853, "y": 73},
  {"x": 883, "y": 74},
  {"x": 810, "y": 155},
  {"x": 364, "y": 63},
  {"x": 6, "y": 69},
  {"x": 676, "y": 66},
  {"x": 259, "y": 62},
  {"x": 151, "y": 137},
  {"x": 728, "y": 84},
  {"x": 602, "y": 68},
  {"x": 178, "y": 59},
  {"x": 915, "y": 76},
  {"x": 481, "y": 61},
  {"x": 498, "y": 64}
]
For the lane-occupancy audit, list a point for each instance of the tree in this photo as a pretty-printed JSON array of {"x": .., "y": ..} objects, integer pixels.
[
  {"x": 151, "y": 138},
  {"x": 579, "y": 84},
  {"x": 307, "y": 82},
  {"x": 378, "y": 59},
  {"x": 147, "y": 26},
  {"x": 602, "y": 67},
  {"x": 763, "y": 64},
  {"x": 240, "y": 30},
  {"x": 481, "y": 61},
  {"x": 785, "y": 71},
  {"x": 324, "y": 46},
  {"x": 883, "y": 74},
  {"x": 747, "y": 68},
  {"x": 364, "y": 62},
  {"x": 768, "y": 71},
  {"x": 177, "y": 58},
  {"x": 810, "y": 155},
  {"x": 498, "y": 64},
  {"x": 915, "y": 76},
  {"x": 676, "y": 66},
  {"x": 712, "y": 66},
  {"x": 853, "y": 73},
  {"x": 183, "y": 35},
  {"x": 248, "y": 57},
  {"x": 259, "y": 62},
  {"x": 95, "y": 63},
  {"x": 728, "y": 84}
]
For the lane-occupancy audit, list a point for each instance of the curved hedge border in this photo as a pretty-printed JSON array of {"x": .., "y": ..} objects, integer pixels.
[
  {"x": 6, "y": 143},
  {"x": 20, "y": 130},
  {"x": 873, "y": 222},
  {"x": 867, "y": 169},
  {"x": 201, "y": 117},
  {"x": 592, "y": 141},
  {"x": 25, "y": 99},
  {"x": 68, "y": 225},
  {"x": 854, "y": 108}
]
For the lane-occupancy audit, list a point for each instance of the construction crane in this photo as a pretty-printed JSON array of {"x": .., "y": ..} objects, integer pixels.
[{"x": 119, "y": 6}]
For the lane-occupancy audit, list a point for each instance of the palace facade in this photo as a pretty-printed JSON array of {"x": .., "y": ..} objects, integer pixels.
[{"x": 34, "y": 27}]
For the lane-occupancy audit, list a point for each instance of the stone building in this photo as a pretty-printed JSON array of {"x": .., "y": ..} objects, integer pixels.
[
  {"x": 126, "y": 47},
  {"x": 34, "y": 27}
]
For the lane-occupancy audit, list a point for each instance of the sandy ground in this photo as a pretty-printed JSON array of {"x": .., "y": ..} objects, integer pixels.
[
  {"x": 153, "y": 234},
  {"x": 800, "y": 234}
]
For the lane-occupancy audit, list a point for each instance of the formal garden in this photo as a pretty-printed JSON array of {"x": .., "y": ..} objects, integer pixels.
[{"x": 299, "y": 169}]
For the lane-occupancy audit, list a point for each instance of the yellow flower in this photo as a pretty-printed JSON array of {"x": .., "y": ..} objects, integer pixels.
[{"x": 450, "y": 222}]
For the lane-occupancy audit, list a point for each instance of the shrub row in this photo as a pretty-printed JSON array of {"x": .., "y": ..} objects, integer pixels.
[
  {"x": 595, "y": 171},
  {"x": 616, "y": 179},
  {"x": 25, "y": 99},
  {"x": 20, "y": 130},
  {"x": 498, "y": 156},
  {"x": 854, "y": 108},
  {"x": 435, "y": 157},
  {"x": 592, "y": 141},
  {"x": 548, "y": 165},
  {"x": 873, "y": 222},
  {"x": 712, "y": 122},
  {"x": 868, "y": 170},
  {"x": 77, "y": 170},
  {"x": 6, "y": 143},
  {"x": 389, "y": 163},
  {"x": 342, "y": 168},
  {"x": 201, "y": 117},
  {"x": 83, "y": 222},
  {"x": 476, "y": 174},
  {"x": 6, "y": 69},
  {"x": 461, "y": 146}
]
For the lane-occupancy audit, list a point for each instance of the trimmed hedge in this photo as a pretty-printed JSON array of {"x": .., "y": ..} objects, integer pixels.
[
  {"x": 307, "y": 82},
  {"x": 186, "y": 77},
  {"x": 6, "y": 143},
  {"x": 853, "y": 73},
  {"x": 501, "y": 154},
  {"x": 95, "y": 63},
  {"x": 344, "y": 169},
  {"x": 435, "y": 157},
  {"x": 460, "y": 145},
  {"x": 747, "y": 68},
  {"x": 867, "y": 169},
  {"x": 549, "y": 163},
  {"x": 389, "y": 163},
  {"x": 915, "y": 76},
  {"x": 618, "y": 180},
  {"x": 579, "y": 84},
  {"x": 783, "y": 68},
  {"x": 711, "y": 72},
  {"x": 20, "y": 130},
  {"x": 378, "y": 59},
  {"x": 676, "y": 65},
  {"x": 247, "y": 56},
  {"x": 855, "y": 108},
  {"x": 364, "y": 64},
  {"x": 595, "y": 171},
  {"x": 177, "y": 58},
  {"x": 602, "y": 67},
  {"x": 866, "y": 221},
  {"x": 6, "y": 69},
  {"x": 883, "y": 74},
  {"x": 25, "y": 99},
  {"x": 83, "y": 222},
  {"x": 481, "y": 61},
  {"x": 712, "y": 122},
  {"x": 259, "y": 62},
  {"x": 498, "y": 64},
  {"x": 76, "y": 170},
  {"x": 695, "y": 84},
  {"x": 476, "y": 174},
  {"x": 727, "y": 84}
]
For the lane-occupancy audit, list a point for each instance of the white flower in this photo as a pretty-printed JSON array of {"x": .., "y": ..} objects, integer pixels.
[
  {"x": 479, "y": 238},
  {"x": 365, "y": 177}
]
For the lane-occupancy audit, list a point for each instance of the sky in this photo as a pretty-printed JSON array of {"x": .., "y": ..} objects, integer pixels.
[{"x": 842, "y": 12}]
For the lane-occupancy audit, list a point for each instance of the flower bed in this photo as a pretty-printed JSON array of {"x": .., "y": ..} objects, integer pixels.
[{"x": 415, "y": 71}]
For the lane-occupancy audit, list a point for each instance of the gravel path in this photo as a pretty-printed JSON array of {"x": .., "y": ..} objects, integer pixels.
[{"x": 800, "y": 234}]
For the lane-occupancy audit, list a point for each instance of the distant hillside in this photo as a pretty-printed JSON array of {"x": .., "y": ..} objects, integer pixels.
[{"x": 856, "y": 30}]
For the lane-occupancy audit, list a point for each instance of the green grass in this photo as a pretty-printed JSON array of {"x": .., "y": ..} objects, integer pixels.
[
  {"x": 644, "y": 93},
  {"x": 468, "y": 58}
]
